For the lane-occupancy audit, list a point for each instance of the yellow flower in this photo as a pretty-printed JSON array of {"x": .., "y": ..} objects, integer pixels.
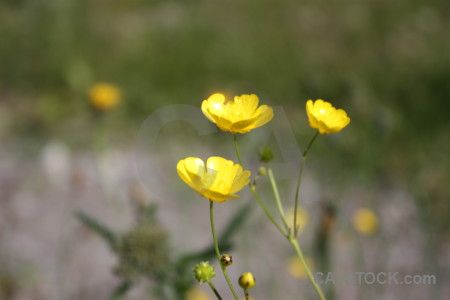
[
  {"x": 219, "y": 180},
  {"x": 323, "y": 116},
  {"x": 196, "y": 293},
  {"x": 104, "y": 96},
  {"x": 237, "y": 116},
  {"x": 365, "y": 221},
  {"x": 302, "y": 218},
  {"x": 296, "y": 268}
]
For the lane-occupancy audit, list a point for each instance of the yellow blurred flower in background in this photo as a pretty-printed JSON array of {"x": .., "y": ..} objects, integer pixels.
[
  {"x": 302, "y": 218},
  {"x": 365, "y": 221},
  {"x": 237, "y": 116},
  {"x": 296, "y": 268},
  {"x": 218, "y": 180},
  {"x": 197, "y": 293},
  {"x": 104, "y": 96},
  {"x": 324, "y": 117}
]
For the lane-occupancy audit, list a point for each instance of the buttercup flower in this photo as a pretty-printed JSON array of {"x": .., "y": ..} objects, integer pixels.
[
  {"x": 218, "y": 180},
  {"x": 323, "y": 116},
  {"x": 104, "y": 96},
  {"x": 237, "y": 116},
  {"x": 365, "y": 221}
]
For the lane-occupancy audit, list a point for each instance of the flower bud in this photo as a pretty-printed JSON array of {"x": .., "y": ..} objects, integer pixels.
[
  {"x": 204, "y": 272},
  {"x": 247, "y": 281},
  {"x": 226, "y": 260},
  {"x": 265, "y": 155},
  {"x": 262, "y": 171}
]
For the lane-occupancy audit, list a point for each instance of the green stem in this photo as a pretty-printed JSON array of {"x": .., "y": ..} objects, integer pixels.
[
  {"x": 236, "y": 148},
  {"x": 297, "y": 192},
  {"x": 213, "y": 288},
  {"x": 255, "y": 194},
  {"x": 247, "y": 296},
  {"x": 216, "y": 246},
  {"x": 298, "y": 250},
  {"x": 277, "y": 197},
  {"x": 266, "y": 211}
]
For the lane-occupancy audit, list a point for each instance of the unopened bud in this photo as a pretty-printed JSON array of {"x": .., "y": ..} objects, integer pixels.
[
  {"x": 262, "y": 171},
  {"x": 265, "y": 155},
  {"x": 247, "y": 281},
  {"x": 204, "y": 272},
  {"x": 226, "y": 260}
]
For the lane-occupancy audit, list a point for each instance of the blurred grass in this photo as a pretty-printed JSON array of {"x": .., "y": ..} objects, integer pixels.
[{"x": 387, "y": 63}]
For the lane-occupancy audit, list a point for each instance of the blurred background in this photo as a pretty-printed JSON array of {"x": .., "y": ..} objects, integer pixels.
[{"x": 78, "y": 79}]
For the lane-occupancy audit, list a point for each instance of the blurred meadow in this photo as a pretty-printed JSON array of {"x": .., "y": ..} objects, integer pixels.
[{"x": 75, "y": 207}]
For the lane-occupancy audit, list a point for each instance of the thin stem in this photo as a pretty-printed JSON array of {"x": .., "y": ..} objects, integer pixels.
[
  {"x": 277, "y": 197},
  {"x": 216, "y": 246},
  {"x": 255, "y": 194},
  {"x": 297, "y": 192},
  {"x": 298, "y": 250},
  {"x": 213, "y": 288},
  {"x": 266, "y": 211},
  {"x": 237, "y": 150},
  {"x": 247, "y": 296}
]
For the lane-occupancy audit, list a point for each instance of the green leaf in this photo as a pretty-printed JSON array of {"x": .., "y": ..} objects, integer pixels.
[{"x": 109, "y": 236}]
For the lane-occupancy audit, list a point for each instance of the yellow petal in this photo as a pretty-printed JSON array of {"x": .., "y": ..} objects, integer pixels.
[
  {"x": 219, "y": 197},
  {"x": 213, "y": 106},
  {"x": 191, "y": 170},
  {"x": 260, "y": 117},
  {"x": 265, "y": 114},
  {"x": 241, "y": 180},
  {"x": 224, "y": 174},
  {"x": 194, "y": 166},
  {"x": 224, "y": 123},
  {"x": 309, "y": 110},
  {"x": 205, "y": 110},
  {"x": 244, "y": 126},
  {"x": 246, "y": 104},
  {"x": 216, "y": 104},
  {"x": 217, "y": 98}
]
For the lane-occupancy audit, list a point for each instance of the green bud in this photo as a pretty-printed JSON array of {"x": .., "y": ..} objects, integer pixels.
[
  {"x": 262, "y": 171},
  {"x": 226, "y": 260},
  {"x": 265, "y": 155},
  {"x": 204, "y": 272},
  {"x": 247, "y": 281}
]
